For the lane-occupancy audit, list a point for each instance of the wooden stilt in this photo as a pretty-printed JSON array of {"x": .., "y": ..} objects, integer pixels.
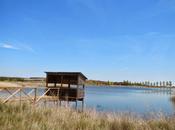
[
  {"x": 76, "y": 104},
  {"x": 20, "y": 97},
  {"x": 67, "y": 103},
  {"x": 60, "y": 103},
  {"x": 35, "y": 98},
  {"x": 82, "y": 105}
]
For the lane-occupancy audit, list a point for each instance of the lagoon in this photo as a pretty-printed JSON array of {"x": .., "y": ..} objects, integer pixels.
[
  {"x": 129, "y": 99},
  {"x": 137, "y": 100}
]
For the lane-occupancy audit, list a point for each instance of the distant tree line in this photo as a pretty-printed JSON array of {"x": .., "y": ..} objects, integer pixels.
[
  {"x": 11, "y": 79},
  {"x": 129, "y": 83},
  {"x": 100, "y": 83},
  {"x": 21, "y": 79},
  {"x": 148, "y": 83}
]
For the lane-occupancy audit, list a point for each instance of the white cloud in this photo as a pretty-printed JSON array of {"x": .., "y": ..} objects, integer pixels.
[
  {"x": 21, "y": 47},
  {"x": 9, "y": 46}
]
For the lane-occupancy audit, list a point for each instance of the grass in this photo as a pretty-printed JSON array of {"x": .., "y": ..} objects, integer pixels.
[{"x": 25, "y": 117}]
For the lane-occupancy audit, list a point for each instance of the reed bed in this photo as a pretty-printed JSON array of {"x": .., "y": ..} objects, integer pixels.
[{"x": 25, "y": 117}]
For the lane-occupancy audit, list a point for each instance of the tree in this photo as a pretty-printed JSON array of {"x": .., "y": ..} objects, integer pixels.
[
  {"x": 160, "y": 83},
  {"x": 170, "y": 83},
  {"x": 167, "y": 83},
  {"x": 143, "y": 83},
  {"x": 154, "y": 84}
]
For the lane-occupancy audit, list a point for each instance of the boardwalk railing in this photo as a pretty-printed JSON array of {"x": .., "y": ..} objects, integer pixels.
[
  {"x": 32, "y": 94},
  {"x": 37, "y": 95}
]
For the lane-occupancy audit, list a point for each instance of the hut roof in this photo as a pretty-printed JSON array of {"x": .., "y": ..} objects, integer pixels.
[{"x": 77, "y": 74}]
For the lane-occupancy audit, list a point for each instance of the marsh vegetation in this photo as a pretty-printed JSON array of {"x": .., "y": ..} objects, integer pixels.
[{"x": 25, "y": 117}]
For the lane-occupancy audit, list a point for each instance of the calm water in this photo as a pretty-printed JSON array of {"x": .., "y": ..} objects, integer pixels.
[
  {"x": 126, "y": 99},
  {"x": 136, "y": 100}
]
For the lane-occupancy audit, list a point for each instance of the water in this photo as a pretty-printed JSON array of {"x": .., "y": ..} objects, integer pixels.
[{"x": 127, "y": 99}]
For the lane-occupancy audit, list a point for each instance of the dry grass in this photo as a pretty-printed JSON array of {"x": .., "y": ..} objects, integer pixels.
[
  {"x": 16, "y": 84},
  {"x": 15, "y": 117}
]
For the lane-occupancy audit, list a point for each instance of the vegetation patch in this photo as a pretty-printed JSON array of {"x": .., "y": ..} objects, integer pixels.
[{"x": 25, "y": 117}]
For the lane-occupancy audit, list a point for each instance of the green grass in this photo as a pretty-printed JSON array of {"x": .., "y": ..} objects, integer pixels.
[{"x": 25, "y": 117}]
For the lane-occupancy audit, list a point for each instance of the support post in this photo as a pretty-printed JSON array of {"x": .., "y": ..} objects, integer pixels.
[
  {"x": 57, "y": 96},
  {"x": 67, "y": 98},
  {"x": 82, "y": 105},
  {"x": 77, "y": 96},
  {"x": 35, "y": 98},
  {"x": 57, "y": 103},
  {"x": 20, "y": 97},
  {"x": 60, "y": 103},
  {"x": 76, "y": 104},
  {"x": 61, "y": 87},
  {"x": 69, "y": 84},
  {"x": 83, "y": 98},
  {"x": 61, "y": 81},
  {"x": 83, "y": 86}
]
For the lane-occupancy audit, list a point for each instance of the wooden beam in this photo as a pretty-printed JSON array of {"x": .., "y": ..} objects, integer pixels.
[
  {"x": 13, "y": 94},
  {"x": 9, "y": 91},
  {"x": 30, "y": 97},
  {"x": 42, "y": 96}
]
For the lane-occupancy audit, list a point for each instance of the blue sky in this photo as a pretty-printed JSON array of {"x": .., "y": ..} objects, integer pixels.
[{"x": 105, "y": 39}]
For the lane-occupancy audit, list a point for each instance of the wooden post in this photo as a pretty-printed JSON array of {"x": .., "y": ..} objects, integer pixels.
[
  {"x": 47, "y": 84},
  {"x": 83, "y": 87},
  {"x": 83, "y": 98},
  {"x": 77, "y": 90},
  {"x": 76, "y": 104},
  {"x": 35, "y": 98},
  {"x": 82, "y": 105},
  {"x": 57, "y": 96},
  {"x": 57, "y": 102},
  {"x": 69, "y": 83},
  {"x": 61, "y": 87},
  {"x": 60, "y": 103},
  {"x": 61, "y": 81},
  {"x": 20, "y": 97},
  {"x": 67, "y": 98}
]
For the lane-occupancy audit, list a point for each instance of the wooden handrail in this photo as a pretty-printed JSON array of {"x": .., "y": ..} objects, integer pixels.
[{"x": 12, "y": 95}]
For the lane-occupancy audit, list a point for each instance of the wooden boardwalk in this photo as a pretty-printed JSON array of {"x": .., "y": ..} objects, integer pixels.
[{"x": 32, "y": 95}]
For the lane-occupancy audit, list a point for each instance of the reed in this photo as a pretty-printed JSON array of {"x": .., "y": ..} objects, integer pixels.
[{"x": 25, "y": 117}]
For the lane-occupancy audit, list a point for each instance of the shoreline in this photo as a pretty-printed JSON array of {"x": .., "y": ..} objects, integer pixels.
[{"x": 42, "y": 84}]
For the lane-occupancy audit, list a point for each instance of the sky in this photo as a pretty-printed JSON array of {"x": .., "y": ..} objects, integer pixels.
[{"x": 104, "y": 39}]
